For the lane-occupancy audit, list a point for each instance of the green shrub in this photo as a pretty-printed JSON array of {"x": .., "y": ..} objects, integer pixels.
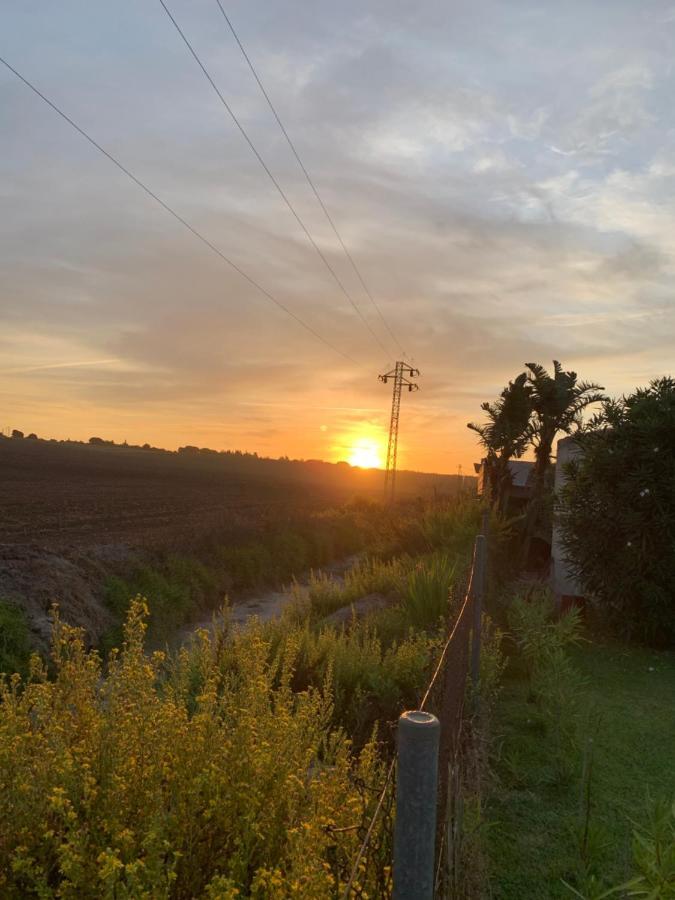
[
  {"x": 653, "y": 858},
  {"x": 427, "y": 590},
  {"x": 555, "y": 683},
  {"x": 370, "y": 682},
  {"x": 538, "y": 632},
  {"x": 174, "y": 592},
  {"x": 14, "y": 640},
  {"x": 450, "y": 526},
  {"x": 247, "y": 566},
  {"x": 291, "y": 553},
  {"x": 654, "y": 852},
  {"x": 617, "y": 512},
  {"x": 492, "y": 663}
]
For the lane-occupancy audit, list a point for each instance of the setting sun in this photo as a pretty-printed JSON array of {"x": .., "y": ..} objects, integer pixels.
[{"x": 366, "y": 454}]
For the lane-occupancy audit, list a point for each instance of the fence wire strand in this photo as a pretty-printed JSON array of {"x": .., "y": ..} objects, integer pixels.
[
  {"x": 444, "y": 653},
  {"x": 449, "y": 714}
]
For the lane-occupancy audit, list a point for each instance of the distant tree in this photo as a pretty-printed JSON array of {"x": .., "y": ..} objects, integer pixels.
[
  {"x": 617, "y": 512},
  {"x": 505, "y": 435},
  {"x": 97, "y": 441},
  {"x": 32, "y": 436},
  {"x": 16, "y": 434}
]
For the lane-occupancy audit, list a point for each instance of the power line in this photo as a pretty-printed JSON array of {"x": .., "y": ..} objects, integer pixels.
[
  {"x": 274, "y": 181},
  {"x": 309, "y": 178},
  {"x": 178, "y": 217}
]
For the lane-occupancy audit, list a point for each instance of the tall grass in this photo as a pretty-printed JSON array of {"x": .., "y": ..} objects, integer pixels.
[
  {"x": 426, "y": 590},
  {"x": 449, "y": 527},
  {"x": 369, "y": 576}
]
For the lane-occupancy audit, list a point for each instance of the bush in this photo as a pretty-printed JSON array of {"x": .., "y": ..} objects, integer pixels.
[
  {"x": 536, "y": 630},
  {"x": 249, "y": 565},
  {"x": 173, "y": 593},
  {"x": 492, "y": 664},
  {"x": 617, "y": 512},
  {"x": 654, "y": 852},
  {"x": 556, "y": 685},
  {"x": 161, "y": 780},
  {"x": 14, "y": 642}
]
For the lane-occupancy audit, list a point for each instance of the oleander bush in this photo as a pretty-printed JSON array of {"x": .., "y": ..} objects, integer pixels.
[{"x": 617, "y": 513}]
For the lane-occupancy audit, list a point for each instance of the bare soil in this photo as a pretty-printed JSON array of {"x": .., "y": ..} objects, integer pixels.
[
  {"x": 72, "y": 513},
  {"x": 64, "y": 496}
]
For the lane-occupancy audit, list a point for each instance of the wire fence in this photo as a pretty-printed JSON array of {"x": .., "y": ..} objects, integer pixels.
[{"x": 444, "y": 697}]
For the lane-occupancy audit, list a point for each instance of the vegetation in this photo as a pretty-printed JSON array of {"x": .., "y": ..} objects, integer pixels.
[
  {"x": 161, "y": 775},
  {"x": 505, "y": 435},
  {"x": 179, "y": 587},
  {"x": 14, "y": 642},
  {"x": 558, "y": 402},
  {"x": 558, "y": 833},
  {"x": 531, "y": 412},
  {"x": 426, "y": 591},
  {"x": 617, "y": 512},
  {"x": 555, "y": 685},
  {"x": 165, "y": 777}
]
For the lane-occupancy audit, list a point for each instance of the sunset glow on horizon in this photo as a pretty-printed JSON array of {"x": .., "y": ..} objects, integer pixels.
[
  {"x": 366, "y": 454},
  {"x": 501, "y": 206}
]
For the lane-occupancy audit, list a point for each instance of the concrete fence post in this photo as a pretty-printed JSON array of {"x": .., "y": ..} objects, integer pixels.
[
  {"x": 416, "y": 796},
  {"x": 478, "y": 592}
]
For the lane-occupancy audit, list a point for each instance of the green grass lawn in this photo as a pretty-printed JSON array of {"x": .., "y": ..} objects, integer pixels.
[{"x": 534, "y": 822}]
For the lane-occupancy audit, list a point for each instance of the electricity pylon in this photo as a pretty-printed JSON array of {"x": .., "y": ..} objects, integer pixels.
[{"x": 397, "y": 374}]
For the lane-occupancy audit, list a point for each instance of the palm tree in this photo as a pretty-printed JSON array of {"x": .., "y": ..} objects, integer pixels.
[
  {"x": 558, "y": 402},
  {"x": 505, "y": 435}
]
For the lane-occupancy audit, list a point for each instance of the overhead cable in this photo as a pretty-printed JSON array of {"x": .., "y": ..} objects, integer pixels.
[
  {"x": 272, "y": 178},
  {"x": 178, "y": 217},
  {"x": 308, "y": 178}
]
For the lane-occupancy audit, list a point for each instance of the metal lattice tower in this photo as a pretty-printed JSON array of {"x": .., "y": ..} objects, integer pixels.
[{"x": 397, "y": 375}]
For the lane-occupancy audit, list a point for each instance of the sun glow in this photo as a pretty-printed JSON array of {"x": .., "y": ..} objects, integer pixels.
[{"x": 365, "y": 453}]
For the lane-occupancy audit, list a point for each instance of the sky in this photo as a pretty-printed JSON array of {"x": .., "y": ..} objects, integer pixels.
[{"x": 503, "y": 174}]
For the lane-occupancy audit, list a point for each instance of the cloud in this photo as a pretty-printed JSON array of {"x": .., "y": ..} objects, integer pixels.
[{"x": 502, "y": 176}]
